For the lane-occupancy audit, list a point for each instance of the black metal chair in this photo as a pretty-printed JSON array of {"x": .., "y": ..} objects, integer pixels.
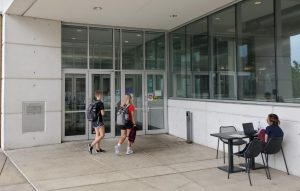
[
  {"x": 273, "y": 146},
  {"x": 253, "y": 149},
  {"x": 236, "y": 142}
]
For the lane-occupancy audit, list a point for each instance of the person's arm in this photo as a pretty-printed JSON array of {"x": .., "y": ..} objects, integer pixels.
[
  {"x": 267, "y": 134},
  {"x": 133, "y": 118},
  {"x": 102, "y": 109},
  {"x": 266, "y": 138},
  {"x": 102, "y": 112}
]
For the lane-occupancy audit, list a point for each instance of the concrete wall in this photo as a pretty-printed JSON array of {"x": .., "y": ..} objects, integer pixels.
[
  {"x": 209, "y": 116},
  {"x": 31, "y": 72}
]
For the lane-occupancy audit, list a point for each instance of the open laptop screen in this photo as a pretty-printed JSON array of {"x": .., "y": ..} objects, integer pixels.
[{"x": 248, "y": 129}]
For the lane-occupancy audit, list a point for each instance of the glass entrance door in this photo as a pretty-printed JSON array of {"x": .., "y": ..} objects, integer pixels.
[
  {"x": 75, "y": 91},
  {"x": 147, "y": 89},
  {"x": 103, "y": 82},
  {"x": 155, "y": 103},
  {"x": 132, "y": 83}
]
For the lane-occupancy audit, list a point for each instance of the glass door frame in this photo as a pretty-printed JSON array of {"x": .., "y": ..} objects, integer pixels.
[
  {"x": 165, "y": 129},
  {"x": 112, "y": 100},
  {"x": 123, "y": 73},
  {"x": 74, "y": 137},
  {"x": 144, "y": 95}
]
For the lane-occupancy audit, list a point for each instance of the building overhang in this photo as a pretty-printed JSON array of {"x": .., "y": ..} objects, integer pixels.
[{"x": 150, "y": 14}]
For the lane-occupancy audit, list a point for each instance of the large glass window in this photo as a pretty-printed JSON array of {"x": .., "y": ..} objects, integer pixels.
[
  {"x": 74, "y": 47},
  {"x": 155, "y": 50},
  {"x": 223, "y": 54},
  {"x": 178, "y": 63},
  {"x": 117, "y": 49},
  {"x": 256, "y": 48},
  {"x": 101, "y": 48},
  {"x": 197, "y": 59},
  {"x": 132, "y": 50},
  {"x": 288, "y": 57}
]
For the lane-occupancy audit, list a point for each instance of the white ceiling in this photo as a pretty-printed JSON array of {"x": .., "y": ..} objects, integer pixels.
[{"x": 152, "y": 14}]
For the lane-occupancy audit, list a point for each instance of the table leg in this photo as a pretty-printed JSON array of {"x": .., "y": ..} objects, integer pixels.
[
  {"x": 230, "y": 156},
  {"x": 230, "y": 168}
]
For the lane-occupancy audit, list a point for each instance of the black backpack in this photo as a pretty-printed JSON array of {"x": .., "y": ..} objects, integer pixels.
[{"x": 91, "y": 113}]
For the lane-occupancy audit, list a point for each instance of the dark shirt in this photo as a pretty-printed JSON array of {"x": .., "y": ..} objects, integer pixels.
[
  {"x": 99, "y": 107},
  {"x": 274, "y": 131}
]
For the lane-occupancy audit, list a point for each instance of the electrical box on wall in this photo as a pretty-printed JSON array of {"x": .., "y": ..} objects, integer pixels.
[{"x": 33, "y": 117}]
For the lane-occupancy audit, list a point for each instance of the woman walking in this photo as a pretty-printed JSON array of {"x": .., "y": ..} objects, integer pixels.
[
  {"x": 98, "y": 124},
  {"x": 127, "y": 102}
]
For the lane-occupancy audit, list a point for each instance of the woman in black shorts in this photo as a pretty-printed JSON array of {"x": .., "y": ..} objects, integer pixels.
[
  {"x": 125, "y": 130},
  {"x": 98, "y": 125}
]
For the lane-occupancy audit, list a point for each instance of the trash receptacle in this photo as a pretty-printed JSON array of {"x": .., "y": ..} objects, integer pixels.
[{"x": 189, "y": 126}]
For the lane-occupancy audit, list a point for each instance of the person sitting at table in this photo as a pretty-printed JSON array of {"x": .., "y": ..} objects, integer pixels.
[{"x": 273, "y": 130}]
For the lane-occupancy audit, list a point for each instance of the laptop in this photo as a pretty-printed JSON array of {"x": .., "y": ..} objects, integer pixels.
[{"x": 249, "y": 129}]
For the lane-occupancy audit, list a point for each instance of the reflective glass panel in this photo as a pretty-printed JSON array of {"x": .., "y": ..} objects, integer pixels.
[
  {"x": 197, "y": 59},
  {"x": 223, "y": 54},
  {"x": 132, "y": 50},
  {"x": 288, "y": 56},
  {"x": 155, "y": 50},
  {"x": 75, "y": 96},
  {"x": 256, "y": 50},
  {"x": 74, "y": 47},
  {"x": 117, "y": 49},
  {"x": 101, "y": 48},
  {"x": 155, "y": 100},
  {"x": 178, "y": 66}
]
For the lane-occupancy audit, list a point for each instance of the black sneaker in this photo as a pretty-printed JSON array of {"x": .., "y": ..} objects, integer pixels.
[
  {"x": 90, "y": 148},
  {"x": 100, "y": 151}
]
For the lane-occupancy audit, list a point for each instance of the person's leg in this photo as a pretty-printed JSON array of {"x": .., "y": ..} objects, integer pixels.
[
  {"x": 123, "y": 136},
  {"x": 97, "y": 138},
  {"x": 121, "y": 141},
  {"x": 129, "y": 144},
  {"x": 101, "y": 136}
]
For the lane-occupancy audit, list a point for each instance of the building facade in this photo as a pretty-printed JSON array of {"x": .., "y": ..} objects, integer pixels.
[{"x": 235, "y": 63}]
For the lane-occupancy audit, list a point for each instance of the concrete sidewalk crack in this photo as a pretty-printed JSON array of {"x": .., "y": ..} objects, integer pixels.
[{"x": 3, "y": 165}]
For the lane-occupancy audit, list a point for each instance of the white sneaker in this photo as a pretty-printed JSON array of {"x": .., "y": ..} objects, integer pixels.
[
  {"x": 117, "y": 149},
  {"x": 129, "y": 151}
]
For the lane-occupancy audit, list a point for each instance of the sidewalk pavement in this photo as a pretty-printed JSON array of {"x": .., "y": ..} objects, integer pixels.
[
  {"x": 10, "y": 177},
  {"x": 160, "y": 162}
]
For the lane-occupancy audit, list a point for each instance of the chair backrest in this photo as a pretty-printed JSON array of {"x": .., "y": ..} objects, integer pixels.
[
  {"x": 225, "y": 129},
  {"x": 254, "y": 148},
  {"x": 274, "y": 145}
]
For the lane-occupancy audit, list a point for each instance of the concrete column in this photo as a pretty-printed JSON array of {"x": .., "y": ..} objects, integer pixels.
[{"x": 31, "y": 73}]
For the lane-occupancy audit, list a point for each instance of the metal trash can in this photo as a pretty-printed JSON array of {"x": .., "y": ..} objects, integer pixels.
[{"x": 189, "y": 126}]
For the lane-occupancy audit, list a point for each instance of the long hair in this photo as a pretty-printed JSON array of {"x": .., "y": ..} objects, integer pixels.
[
  {"x": 131, "y": 99},
  {"x": 126, "y": 100},
  {"x": 274, "y": 119}
]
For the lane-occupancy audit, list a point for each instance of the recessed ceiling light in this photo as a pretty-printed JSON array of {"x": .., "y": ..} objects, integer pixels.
[
  {"x": 79, "y": 30},
  {"x": 218, "y": 18},
  {"x": 257, "y": 2},
  {"x": 138, "y": 35},
  {"x": 126, "y": 41},
  {"x": 98, "y": 8},
  {"x": 73, "y": 38},
  {"x": 173, "y": 16}
]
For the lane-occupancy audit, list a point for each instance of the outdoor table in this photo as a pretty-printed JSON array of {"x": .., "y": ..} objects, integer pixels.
[{"x": 230, "y": 136}]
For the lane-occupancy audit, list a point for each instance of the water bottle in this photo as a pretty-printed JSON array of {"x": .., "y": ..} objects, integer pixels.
[{"x": 258, "y": 126}]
